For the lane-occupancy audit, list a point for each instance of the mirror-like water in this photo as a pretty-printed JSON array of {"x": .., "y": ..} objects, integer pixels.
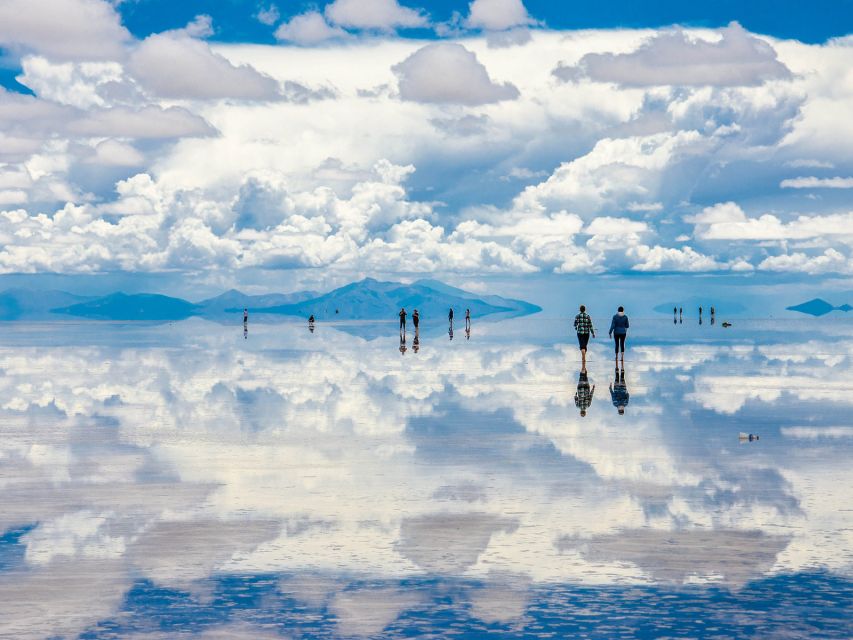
[{"x": 189, "y": 481}]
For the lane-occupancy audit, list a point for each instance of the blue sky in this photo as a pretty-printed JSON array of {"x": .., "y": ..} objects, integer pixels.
[
  {"x": 812, "y": 22},
  {"x": 233, "y": 142}
]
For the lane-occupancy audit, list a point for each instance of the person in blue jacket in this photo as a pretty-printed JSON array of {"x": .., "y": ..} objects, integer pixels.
[{"x": 619, "y": 331}]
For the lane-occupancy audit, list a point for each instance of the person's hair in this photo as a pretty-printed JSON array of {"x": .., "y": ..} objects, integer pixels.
[
  {"x": 621, "y": 308},
  {"x": 583, "y": 308}
]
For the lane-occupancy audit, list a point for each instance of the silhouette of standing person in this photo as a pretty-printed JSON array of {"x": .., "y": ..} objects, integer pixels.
[
  {"x": 619, "y": 331},
  {"x": 402, "y": 315},
  {"x": 619, "y": 392},
  {"x": 680, "y": 314},
  {"x": 675, "y": 315},
  {"x": 583, "y": 327},
  {"x": 467, "y": 320},
  {"x": 584, "y": 393},
  {"x": 713, "y": 316},
  {"x": 416, "y": 319},
  {"x": 245, "y": 316},
  {"x": 450, "y": 315}
]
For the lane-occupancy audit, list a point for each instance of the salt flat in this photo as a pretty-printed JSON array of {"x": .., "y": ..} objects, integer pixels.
[{"x": 184, "y": 480}]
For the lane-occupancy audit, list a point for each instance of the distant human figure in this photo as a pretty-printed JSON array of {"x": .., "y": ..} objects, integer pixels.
[
  {"x": 402, "y": 344},
  {"x": 468, "y": 333},
  {"x": 584, "y": 393},
  {"x": 583, "y": 327},
  {"x": 450, "y": 315},
  {"x": 416, "y": 343},
  {"x": 416, "y": 320},
  {"x": 675, "y": 315},
  {"x": 245, "y": 316},
  {"x": 680, "y": 315},
  {"x": 450, "y": 330},
  {"x": 619, "y": 331},
  {"x": 619, "y": 392},
  {"x": 402, "y": 315},
  {"x": 467, "y": 319},
  {"x": 713, "y": 316},
  {"x": 311, "y": 323}
]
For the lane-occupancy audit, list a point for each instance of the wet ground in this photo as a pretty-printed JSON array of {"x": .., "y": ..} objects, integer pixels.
[{"x": 183, "y": 481}]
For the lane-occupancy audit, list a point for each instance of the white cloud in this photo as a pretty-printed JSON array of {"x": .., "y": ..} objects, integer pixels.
[
  {"x": 148, "y": 122},
  {"x": 63, "y": 29},
  {"x": 449, "y": 73},
  {"x": 497, "y": 15},
  {"x": 812, "y": 182},
  {"x": 307, "y": 29},
  {"x": 199, "y": 27},
  {"x": 374, "y": 14},
  {"x": 268, "y": 15},
  {"x": 737, "y": 58},
  {"x": 814, "y": 433},
  {"x": 830, "y": 261},
  {"x": 659, "y": 258},
  {"x": 727, "y": 221},
  {"x": 176, "y": 66},
  {"x": 117, "y": 154}
]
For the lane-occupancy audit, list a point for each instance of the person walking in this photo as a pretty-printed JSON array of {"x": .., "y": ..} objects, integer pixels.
[
  {"x": 619, "y": 395},
  {"x": 584, "y": 328},
  {"x": 584, "y": 393},
  {"x": 619, "y": 331},
  {"x": 402, "y": 315}
]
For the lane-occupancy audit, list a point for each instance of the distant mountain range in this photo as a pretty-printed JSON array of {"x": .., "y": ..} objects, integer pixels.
[
  {"x": 818, "y": 307},
  {"x": 364, "y": 300},
  {"x": 373, "y": 300}
]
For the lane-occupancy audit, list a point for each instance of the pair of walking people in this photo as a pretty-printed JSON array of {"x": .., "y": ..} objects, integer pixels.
[{"x": 618, "y": 331}]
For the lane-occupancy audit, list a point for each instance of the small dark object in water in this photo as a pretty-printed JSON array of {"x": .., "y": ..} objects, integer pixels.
[
  {"x": 747, "y": 436},
  {"x": 727, "y": 324}
]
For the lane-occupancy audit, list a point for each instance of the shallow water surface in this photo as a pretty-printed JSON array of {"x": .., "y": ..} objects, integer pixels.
[{"x": 187, "y": 480}]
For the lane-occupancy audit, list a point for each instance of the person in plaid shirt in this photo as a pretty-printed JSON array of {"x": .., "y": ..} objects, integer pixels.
[{"x": 583, "y": 326}]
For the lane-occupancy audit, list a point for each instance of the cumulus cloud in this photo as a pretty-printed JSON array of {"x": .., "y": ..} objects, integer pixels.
[
  {"x": 63, "y": 29},
  {"x": 148, "y": 122},
  {"x": 727, "y": 221},
  {"x": 374, "y": 14},
  {"x": 307, "y": 29},
  {"x": 268, "y": 15},
  {"x": 830, "y": 261},
  {"x": 449, "y": 73},
  {"x": 497, "y": 15},
  {"x": 195, "y": 71},
  {"x": 812, "y": 182},
  {"x": 675, "y": 58}
]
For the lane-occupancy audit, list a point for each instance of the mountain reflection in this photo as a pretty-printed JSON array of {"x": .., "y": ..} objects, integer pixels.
[{"x": 334, "y": 476}]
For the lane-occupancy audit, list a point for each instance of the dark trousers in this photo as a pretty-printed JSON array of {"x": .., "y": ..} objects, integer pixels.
[{"x": 619, "y": 340}]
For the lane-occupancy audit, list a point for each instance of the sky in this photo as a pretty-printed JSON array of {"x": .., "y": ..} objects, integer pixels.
[{"x": 284, "y": 145}]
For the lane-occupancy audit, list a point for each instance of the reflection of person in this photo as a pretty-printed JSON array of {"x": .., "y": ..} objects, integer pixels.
[
  {"x": 402, "y": 315},
  {"x": 619, "y": 331},
  {"x": 416, "y": 343},
  {"x": 311, "y": 323},
  {"x": 402, "y": 344},
  {"x": 415, "y": 320},
  {"x": 245, "y": 316},
  {"x": 245, "y": 331},
  {"x": 468, "y": 333},
  {"x": 619, "y": 392},
  {"x": 467, "y": 319},
  {"x": 583, "y": 395},
  {"x": 450, "y": 330},
  {"x": 583, "y": 326},
  {"x": 680, "y": 314}
]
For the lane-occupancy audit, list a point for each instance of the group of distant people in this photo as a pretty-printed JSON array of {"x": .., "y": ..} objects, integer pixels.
[
  {"x": 416, "y": 319},
  {"x": 678, "y": 315}
]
